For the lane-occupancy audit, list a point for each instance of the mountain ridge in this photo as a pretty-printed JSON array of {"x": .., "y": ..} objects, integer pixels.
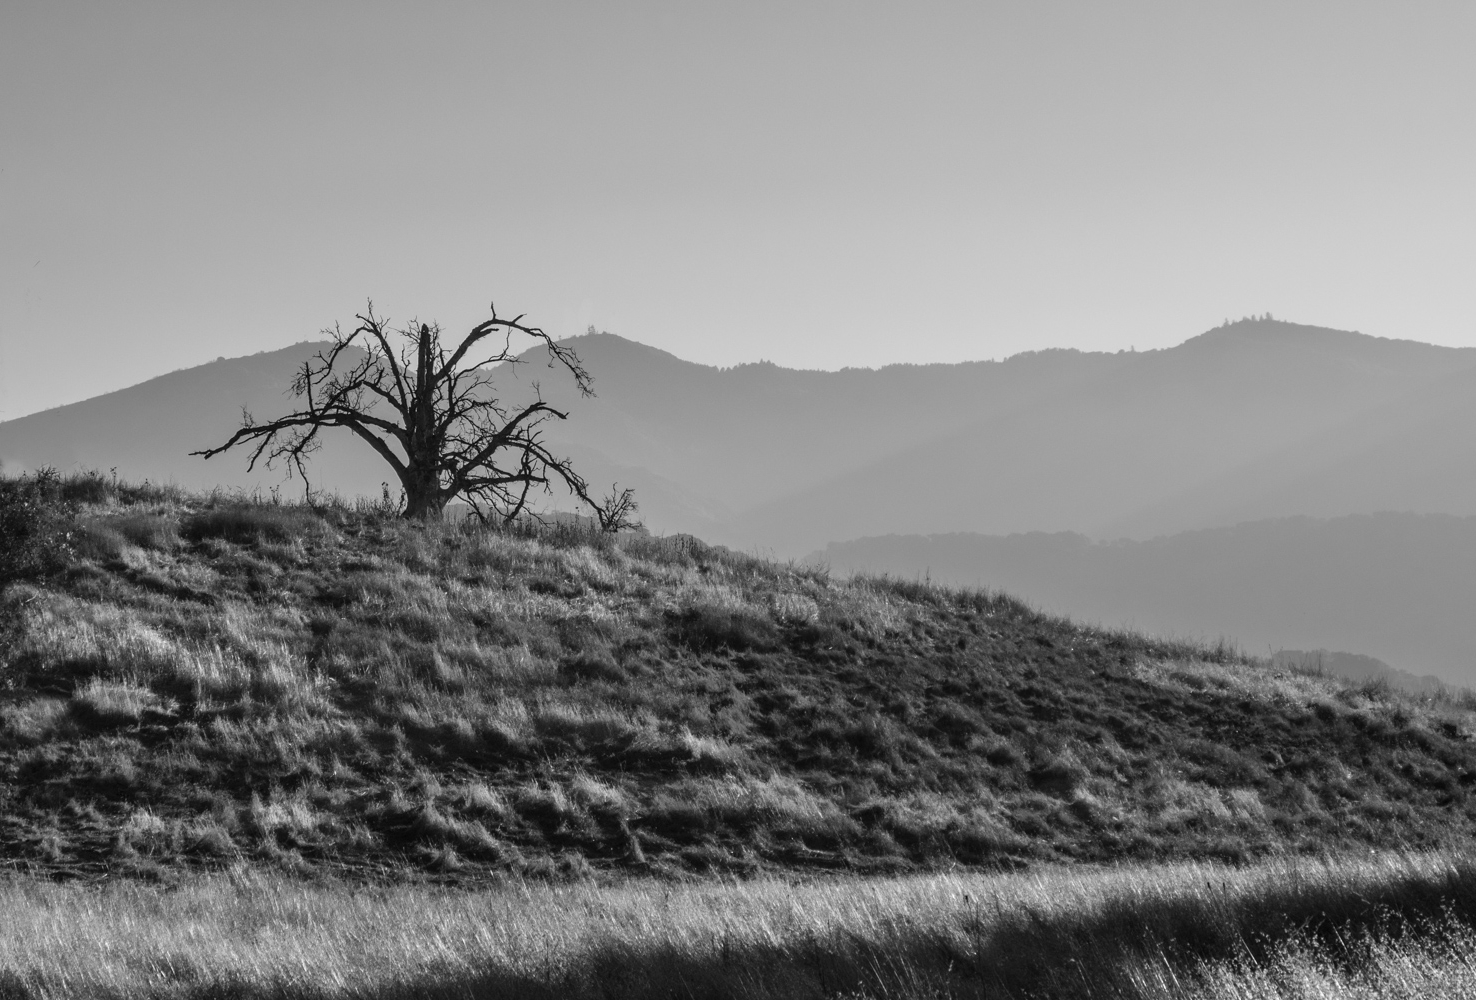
[
  {"x": 1131, "y": 443},
  {"x": 1395, "y": 586}
]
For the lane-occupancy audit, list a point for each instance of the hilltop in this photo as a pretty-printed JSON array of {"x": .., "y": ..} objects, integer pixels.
[{"x": 196, "y": 680}]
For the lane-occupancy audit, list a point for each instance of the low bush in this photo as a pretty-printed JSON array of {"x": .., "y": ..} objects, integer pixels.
[
  {"x": 35, "y": 524},
  {"x": 89, "y": 487}
]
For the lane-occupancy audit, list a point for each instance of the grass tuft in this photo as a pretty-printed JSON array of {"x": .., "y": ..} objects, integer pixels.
[{"x": 256, "y": 524}]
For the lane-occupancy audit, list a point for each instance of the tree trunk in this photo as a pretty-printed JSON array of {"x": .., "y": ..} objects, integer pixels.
[
  {"x": 424, "y": 498},
  {"x": 421, "y": 506}
]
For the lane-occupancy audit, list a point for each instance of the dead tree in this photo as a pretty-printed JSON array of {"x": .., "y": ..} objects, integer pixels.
[{"x": 432, "y": 414}]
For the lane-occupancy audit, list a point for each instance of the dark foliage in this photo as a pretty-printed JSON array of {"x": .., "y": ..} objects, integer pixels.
[{"x": 34, "y": 524}]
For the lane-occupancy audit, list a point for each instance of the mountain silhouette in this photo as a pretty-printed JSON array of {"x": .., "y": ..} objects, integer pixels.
[
  {"x": 1356, "y": 667},
  {"x": 1396, "y": 586},
  {"x": 147, "y": 431},
  {"x": 1251, "y": 420},
  {"x": 1109, "y": 454}
]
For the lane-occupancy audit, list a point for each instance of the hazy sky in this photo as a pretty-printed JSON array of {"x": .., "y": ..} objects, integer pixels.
[{"x": 818, "y": 184}]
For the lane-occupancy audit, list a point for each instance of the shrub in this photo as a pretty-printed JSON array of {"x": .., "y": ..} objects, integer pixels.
[
  {"x": 99, "y": 541},
  {"x": 34, "y": 525},
  {"x": 90, "y": 487}
]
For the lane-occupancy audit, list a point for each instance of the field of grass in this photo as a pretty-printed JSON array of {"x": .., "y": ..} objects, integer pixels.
[
  {"x": 365, "y": 757},
  {"x": 1382, "y": 927}
]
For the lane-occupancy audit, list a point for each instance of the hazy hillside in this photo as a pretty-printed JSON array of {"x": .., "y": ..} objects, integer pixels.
[
  {"x": 1141, "y": 430},
  {"x": 1254, "y": 419},
  {"x": 1416, "y": 452},
  {"x": 1399, "y": 587},
  {"x": 147, "y": 431},
  {"x": 758, "y": 433}
]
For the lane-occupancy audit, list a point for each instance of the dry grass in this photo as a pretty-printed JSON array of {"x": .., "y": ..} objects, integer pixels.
[
  {"x": 1383, "y": 926},
  {"x": 375, "y": 759},
  {"x": 327, "y": 684}
]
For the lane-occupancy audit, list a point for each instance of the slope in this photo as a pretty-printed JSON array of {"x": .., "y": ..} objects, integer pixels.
[{"x": 199, "y": 683}]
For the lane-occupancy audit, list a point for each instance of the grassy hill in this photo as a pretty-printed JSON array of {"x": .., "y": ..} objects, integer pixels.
[{"x": 196, "y": 681}]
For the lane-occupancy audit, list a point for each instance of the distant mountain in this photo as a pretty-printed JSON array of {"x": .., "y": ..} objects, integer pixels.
[
  {"x": 1355, "y": 667},
  {"x": 1255, "y": 419},
  {"x": 1416, "y": 451},
  {"x": 1251, "y": 420},
  {"x": 147, "y": 431},
  {"x": 1109, "y": 453},
  {"x": 1398, "y": 587}
]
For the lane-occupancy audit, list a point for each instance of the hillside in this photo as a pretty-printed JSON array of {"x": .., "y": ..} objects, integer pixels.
[
  {"x": 1398, "y": 587},
  {"x": 147, "y": 431},
  {"x": 192, "y": 681},
  {"x": 1252, "y": 420}
]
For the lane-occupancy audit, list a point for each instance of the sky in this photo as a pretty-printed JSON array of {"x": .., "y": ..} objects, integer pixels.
[{"x": 816, "y": 184}]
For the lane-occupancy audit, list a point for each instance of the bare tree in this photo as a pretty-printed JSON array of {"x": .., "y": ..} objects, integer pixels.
[
  {"x": 618, "y": 512},
  {"x": 431, "y": 413}
]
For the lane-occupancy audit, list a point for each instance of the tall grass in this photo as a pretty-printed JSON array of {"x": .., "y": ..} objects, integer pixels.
[{"x": 1383, "y": 926}]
